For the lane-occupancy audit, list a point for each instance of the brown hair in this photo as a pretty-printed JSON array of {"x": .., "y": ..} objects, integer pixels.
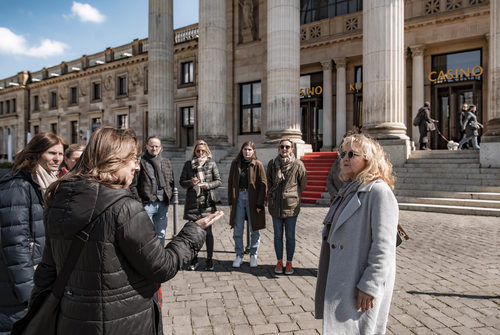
[
  {"x": 108, "y": 150},
  {"x": 72, "y": 148},
  {"x": 27, "y": 159},
  {"x": 377, "y": 164},
  {"x": 196, "y": 144},
  {"x": 250, "y": 144}
]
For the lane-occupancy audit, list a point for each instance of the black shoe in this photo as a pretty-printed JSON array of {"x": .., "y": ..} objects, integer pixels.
[
  {"x": 193, "y": 266},
  {"x": 210, "y": 265}
]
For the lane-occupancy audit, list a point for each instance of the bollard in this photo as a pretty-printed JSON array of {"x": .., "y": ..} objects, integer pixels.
[{"x": 175, "y": 201}]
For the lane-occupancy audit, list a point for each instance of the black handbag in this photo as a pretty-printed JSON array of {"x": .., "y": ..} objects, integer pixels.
[
  {"x": 401, "y": 235},
  {"x": 43, "y": 313}
]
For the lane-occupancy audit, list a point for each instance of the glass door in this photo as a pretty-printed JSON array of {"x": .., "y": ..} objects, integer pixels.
[{"x": 311, "y": 123}]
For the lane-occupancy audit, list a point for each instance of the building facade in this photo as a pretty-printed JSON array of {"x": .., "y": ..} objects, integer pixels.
[{"x": 239, "y": 80}]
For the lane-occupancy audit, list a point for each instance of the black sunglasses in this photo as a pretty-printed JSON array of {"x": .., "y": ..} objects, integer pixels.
[
  {"x": 349, "y": 154},
  {"x": 285, "y": 146}
]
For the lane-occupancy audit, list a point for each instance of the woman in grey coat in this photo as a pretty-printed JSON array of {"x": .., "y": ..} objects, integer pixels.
[
  {"x": 471, "y": 128},
  {"x": 357, "y": 265}
]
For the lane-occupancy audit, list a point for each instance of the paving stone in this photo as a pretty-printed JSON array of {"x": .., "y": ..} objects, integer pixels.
[{"x": 265, "y": 329}]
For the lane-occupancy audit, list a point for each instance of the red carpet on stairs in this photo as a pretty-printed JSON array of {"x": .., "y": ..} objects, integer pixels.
[{"x": 317, "y": 164}]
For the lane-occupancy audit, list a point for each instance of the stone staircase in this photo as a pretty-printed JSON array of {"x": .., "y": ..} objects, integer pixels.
[{"x": 448, "y": 182}]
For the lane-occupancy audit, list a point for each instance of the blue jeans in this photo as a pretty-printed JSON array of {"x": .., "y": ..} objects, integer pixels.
[
  {"x": 242, "y": 207},
  {"x": 289, "y": 225},
  {"x": 158, "y": 213},
  {"x": 466, "y": 139}
]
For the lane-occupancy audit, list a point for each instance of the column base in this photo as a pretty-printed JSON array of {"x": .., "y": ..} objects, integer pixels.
[
  {"x": 387, "y": 130},
  {"x": 274, "y": 136},
  {"x": 489, "y": 154},
  {"x": 265, "y": 154},
  {"x": 398, "y": 150}
]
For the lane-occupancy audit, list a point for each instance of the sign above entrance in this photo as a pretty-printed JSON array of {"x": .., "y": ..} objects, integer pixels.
[
  {"x": 455, "y": 74},
  {"x": 308, "y": 92}
]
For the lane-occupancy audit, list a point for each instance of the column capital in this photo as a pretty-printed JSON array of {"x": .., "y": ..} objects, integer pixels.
[
  {"x": 340, "y": 62},
  {"x": 417, "y": 50},
  {"x": 327, "y": 65}
]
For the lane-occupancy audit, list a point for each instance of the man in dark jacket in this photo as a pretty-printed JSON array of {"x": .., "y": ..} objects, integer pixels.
[
  {"x": 154, "y": 185},
  {"x": 425, "y": 125}
]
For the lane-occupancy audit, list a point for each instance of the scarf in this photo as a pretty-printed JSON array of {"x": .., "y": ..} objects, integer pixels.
[
  {"x": 197, "y": 164},
  {"x": 156, "y": 163},
  {"x": 44, "y": 178},
  {"x": 283, "y": 165},
  {"x": 341, "y": 200}
]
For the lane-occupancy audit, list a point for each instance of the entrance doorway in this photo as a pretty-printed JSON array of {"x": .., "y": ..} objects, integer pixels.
[
  {"x": 448, "y": 100},
  {"x": 311, "y": 122}
]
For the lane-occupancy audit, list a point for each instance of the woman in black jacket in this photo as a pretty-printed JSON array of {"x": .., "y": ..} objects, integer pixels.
[
  {"x": 113, "y": 287},
  {"x": 200, "y": 176},
  {"x": 21, "y": 211}
]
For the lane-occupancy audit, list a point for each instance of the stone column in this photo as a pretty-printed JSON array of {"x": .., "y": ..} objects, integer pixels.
[
  {"x": 417, "y": 87},
  {"x": 340, "y": 106},
  {"x": 212, "y": 88},
  {"x": 327, "y": 106},
  {"x": 283, "y": 70},
  {"x": 161, "y": 113},
  {"x": 383, "y": 76},
  {"x": 490, "y": 142}
]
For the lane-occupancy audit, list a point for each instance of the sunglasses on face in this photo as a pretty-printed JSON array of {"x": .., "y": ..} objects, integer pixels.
[
  {"x": 285, "y": 147},
  {"x": 349, "y": 154},
  {"x": 200, "y": 151}
]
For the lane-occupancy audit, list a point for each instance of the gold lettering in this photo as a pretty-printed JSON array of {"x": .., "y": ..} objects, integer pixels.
[
  {"x": 351, "y": 87},
  {"x": 477, "y": 74},
  {"x": 302, "y": 93},
  {"x": 309, "y": 92},
  {"x": 360, "y": 86},
  {"x": 441, "y": 76},
  {"x": 463, "y": 72},
  {"x": 430, "y": 76},
  {"x": 318, "y": 90},
  {"x": 449, "y": 74}
]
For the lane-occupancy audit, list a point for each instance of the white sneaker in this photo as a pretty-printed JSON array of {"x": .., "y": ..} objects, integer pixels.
[
  {"x": 237, "y": 262},
  {"x": 253, "y": 261}
]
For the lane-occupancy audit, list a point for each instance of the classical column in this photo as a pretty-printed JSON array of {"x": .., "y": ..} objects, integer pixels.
[
  {"x": 490, "y": 141},
  {"x": 283, "y": 70},
  {"x": 327, "y": 106},
  {"x": 383, "y": 76},
  {"x": 417, "y": 86},
  {"x": 161, "y": 114},
  {"x": 212, "y": 88},
  {"x": 340, "y": 106}
]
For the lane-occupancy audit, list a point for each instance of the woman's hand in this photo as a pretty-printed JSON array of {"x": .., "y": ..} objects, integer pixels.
[
  {"x": 204, "y": 186},
  {"x": 258, "y": 210},
  {"x": 364, "y": 302},
  {"x": 195, "y": 180},
  {"x": 209, "y": 220}
]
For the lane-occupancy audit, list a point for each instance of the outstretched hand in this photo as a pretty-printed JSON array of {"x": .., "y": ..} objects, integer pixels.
[{"x": 209, "y": 220}]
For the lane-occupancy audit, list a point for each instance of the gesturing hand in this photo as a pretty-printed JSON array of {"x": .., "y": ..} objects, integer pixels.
[
  {"x": 364, "y": 301},
  {"x": 209, "y": 220}
]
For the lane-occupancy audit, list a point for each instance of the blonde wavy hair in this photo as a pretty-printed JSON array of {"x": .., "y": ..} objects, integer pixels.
[
  {"x": 377, "y": 164},
  {"x": 198, "y": 143},
  {"x": 108, "y": 150}
]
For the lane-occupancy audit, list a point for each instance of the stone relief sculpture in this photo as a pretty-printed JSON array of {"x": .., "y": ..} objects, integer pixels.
[
  {"x": 136, "y": 76},
  {"x": 62, "y": 92},
  {"x": 108, "y": 82},
  {"x": 44, "y": 98},
  {"x": 248, "y": 21},
  {"x": 84, "y": 88}
]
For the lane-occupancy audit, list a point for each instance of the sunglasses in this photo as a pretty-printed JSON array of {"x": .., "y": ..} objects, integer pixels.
[
  {"x": 285, "y": 147},
  {"x": 200, "y": 151},
  {"x": 349, "y": 154}
]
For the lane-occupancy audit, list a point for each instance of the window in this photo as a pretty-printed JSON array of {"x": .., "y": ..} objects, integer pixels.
[
  {"x": 96, "y": 123},
  {"x": 53, "y": 128},
  {"x": 36, "y": 129},
  {"x": 187, "y": 116},
  {"x": 315, "y": 10},
  {"x": 455, "y": 67},
  {"x": 123, "y": 121},
  {"x": 53, "y": 100},
  {"x": 146, "y": 80},
  {"x": 250, "y": 111},
  {"x": 122, "y": 85},
  {"x": 96, "y": 91},
  {"x": 187, "y": 72},
  {"x": 7, "y": 107},
  {"x": 1, "y": 107},
  {"x": 13, "y": 105},
  {"x": 36, "y": 103},
  {"x": 73, "y": 96},
  {"x": 74, "y": 131}
]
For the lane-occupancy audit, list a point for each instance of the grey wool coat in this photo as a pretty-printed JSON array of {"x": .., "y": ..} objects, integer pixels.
[{"x": 358, "y": 252}]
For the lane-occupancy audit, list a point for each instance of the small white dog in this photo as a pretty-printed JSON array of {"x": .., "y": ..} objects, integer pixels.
[{"x": 452, "y": 145}]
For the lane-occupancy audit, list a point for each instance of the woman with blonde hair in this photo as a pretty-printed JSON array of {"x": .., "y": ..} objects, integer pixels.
[
  {"x": 357, "y": 266},
  {"x": 112, "y": 288},
  {"x": 200, "y": 177}
]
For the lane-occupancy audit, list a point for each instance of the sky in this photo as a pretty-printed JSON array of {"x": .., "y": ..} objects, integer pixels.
[{"x": 36, "y": 34}]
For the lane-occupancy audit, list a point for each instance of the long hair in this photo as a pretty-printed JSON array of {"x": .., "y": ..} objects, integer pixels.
[
  {"x": 27, "y": 159},
  {"x": 377, "y": 164},
  {"x": 72, "y": 148},
  {"x": 196, "y": 144},
  {"x": 247, "y": 143},
  {"x": 108, "y": 150}
]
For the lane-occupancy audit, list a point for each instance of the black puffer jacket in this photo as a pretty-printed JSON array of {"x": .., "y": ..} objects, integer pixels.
[
  {"x": 195, "y": 206},
  {"x": 142, "y": 186},
  {"x": 112, "y": 289},
  {"x": 22, "y": 239}
]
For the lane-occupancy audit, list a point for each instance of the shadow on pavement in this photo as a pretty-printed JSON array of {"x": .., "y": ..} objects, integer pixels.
[{"x": 458, "y": 295}]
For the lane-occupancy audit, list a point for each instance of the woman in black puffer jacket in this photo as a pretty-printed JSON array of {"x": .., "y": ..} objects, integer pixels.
[
  {"x": 200, "y": 176},
  {"x": 21, "y": 222},
  {"x": 113, "y": 287}
]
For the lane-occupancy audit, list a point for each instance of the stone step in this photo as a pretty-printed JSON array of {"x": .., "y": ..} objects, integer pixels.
[
  {"x": 445, "y": 154},
  {"x": 442, "y": 161},
  {"x": 450, "y": 202},
  {"x": 440, "y": 165},
  {"x": 463, "y": 210},
  {"x": 450, "y": 180},
  {"x": 441, "y": 174},
  {"x": 453, "y": 188},
  {"x": 444, "y": 194}
]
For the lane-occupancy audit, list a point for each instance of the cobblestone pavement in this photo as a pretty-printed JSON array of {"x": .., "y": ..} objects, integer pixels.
[{"x": 448, "y": 281}]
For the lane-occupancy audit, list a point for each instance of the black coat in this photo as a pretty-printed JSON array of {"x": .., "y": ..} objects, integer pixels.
[
  {"x": 425, "y": 121},
  {"x": 142, "y": 186},
  {"x": 21, "y": 244},
  {"x": 196, "y": 205},
  {"x": 470, "y": 125},
  {"x": 113, "y": 288}
]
